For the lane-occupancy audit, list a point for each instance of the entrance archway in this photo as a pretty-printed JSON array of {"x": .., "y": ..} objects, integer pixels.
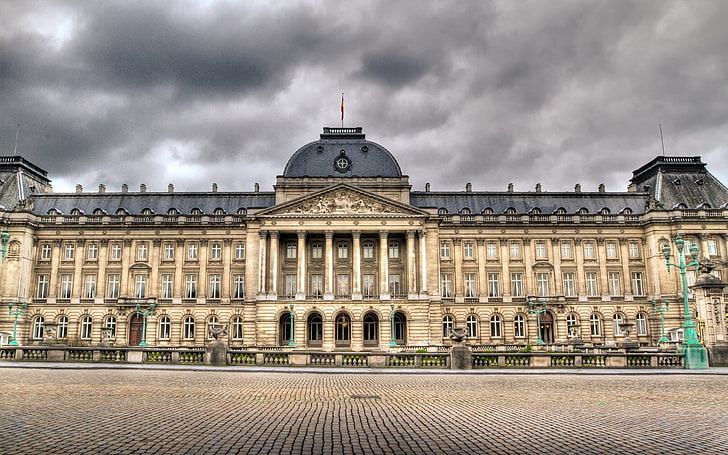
[
  {"x": 547, "y": 328},
  {"x": 136, "y": 325}
]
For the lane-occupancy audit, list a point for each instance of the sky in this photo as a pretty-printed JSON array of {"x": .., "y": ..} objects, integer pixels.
[{"x": 489, "y": 92}]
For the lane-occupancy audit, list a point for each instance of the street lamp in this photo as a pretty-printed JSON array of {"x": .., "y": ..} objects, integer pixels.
[
  {"x": 144, "y": 313},
  {"x": 291, "y": 341},
  {"x": 660, "y": 308},
  {"x": 393, "y": 341},
  {"x": 696, "y": 357},
  {"x": 17, "y": 311},
  {"x": 537, "y": 308}
]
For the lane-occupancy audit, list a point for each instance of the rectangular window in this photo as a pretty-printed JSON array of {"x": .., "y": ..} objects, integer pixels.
[
  {"x": 216, "y": 251},
  {"x": 542, "y": 281},
  {"x": 169, "y": 251},
  {"x": 165, "y": 328},
  {"x": 66, "y": 286},
  {"x": 190, "y": 286},
  {"x": 395, "y": 286},
  {"x": 238, "y": 286},
  {"x": 541, "y": 250},
  {"x": 469, "y": 281},
  {"x": 566, "y": 250},
  {"x": 92, "y": 251},
  {"x": 519, "y": 327},
  {"x": 368, "y": 288},
  {"x": 291, "y": 250},
  {"x": 42, "y": 291},
  {"x": 45, "y": 251},
  {"x": 214, "y": 287},
  {"x": 368, "y": 250},
  {"x": 113, "y": 287},
  {"x": 317, "y": 285},
  {"x": 614, "y": 287},
  {"x": 343, "y": 250},
  {"x": 592, "y": 290},
  {"x": 317, "y": 250},
  {"x": 588, "y": 250},
  {"x": 445, "y": 250},
  {"x": 515, "y": 249},
  {"x": 468, "y": 252},
  {"x": 517, "y": 284},
  {"x": 611, "y": 250},
  {"x": 116, "y": 251},
  {"x": 89, "y": 287},
  {"x": 493, "y": 285},
  {"x": 446, "y": 285},
  {"x": 634, "y": 250},
  {"x": 712, "y": 247},
  {"x": 142, "y": 251},
  {"x": 491, "y": 250},
  {"x": 569, "y": 290},
  {"x": 192, "y": 251},
  {"x": 291, "y": 283},
  {"x": 342, "y": 284},
  {"x": 69, "y": 251},
  {"x": 140, "y": 286},
  {"x": 637, "y": 288},
  {"x": 167, "y": 283},
  {"x": 393, "y": 250},
  {"x": 595, "y": 325},
  {"x": 239, "y": 251}
]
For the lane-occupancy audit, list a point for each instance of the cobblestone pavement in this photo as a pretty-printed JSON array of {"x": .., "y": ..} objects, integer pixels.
[{"x": 47, "y": 411}]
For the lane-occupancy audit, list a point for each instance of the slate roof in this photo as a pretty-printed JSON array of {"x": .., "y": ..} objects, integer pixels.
[
  {"x": 368, "y": 159},
  {"x": 524, "y": 203}
]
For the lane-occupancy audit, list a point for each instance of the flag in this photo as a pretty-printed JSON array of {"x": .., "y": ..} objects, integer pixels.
[{"x": 342, "y": 108}]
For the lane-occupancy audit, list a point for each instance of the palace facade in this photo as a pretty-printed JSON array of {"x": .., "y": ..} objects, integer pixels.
[{"x": 344, "y": 255}]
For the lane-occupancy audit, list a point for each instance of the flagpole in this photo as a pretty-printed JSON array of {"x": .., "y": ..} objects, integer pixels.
[{"x": 342, "y": 109}]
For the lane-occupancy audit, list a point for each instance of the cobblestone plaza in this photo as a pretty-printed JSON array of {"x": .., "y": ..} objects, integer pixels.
[{"x": 66, "y": 411}]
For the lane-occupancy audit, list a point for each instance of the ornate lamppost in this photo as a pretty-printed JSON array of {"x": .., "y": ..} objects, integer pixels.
[
  {"x": 292, "y": 315},
  {"x": 393, "y": 341},
  {"x": 660, "y": 308},
  {"x": 144, "y": 313},
  {"x": 696, "y": 356},
  {"x": 537, "y": 308},
  {"x": 19, "y": 310}
]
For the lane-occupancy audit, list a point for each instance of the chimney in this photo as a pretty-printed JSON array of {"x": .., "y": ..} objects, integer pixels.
[
  {"x": 214, "y": 187},
  {"x": 469, "y": 187},
  {"x": 170, "y": 188},
  {"x": 538, "y": 187},
  {"x": 79, "y": 188},
  {"x": 577, "y": 188},
  {"x": 510, "y": 187},
  {"x": 125, "y": 188},
  {"x": 427, "y": 187},
  {"x": 602, "y": 188},
  {"x": 257, "y": 187},
  {"x": 102, "y": 188},
  {"x": 142, "y": 188}
]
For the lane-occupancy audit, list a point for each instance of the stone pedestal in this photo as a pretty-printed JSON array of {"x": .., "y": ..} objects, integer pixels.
[
  {"x": 216, "y": 353},
  {"x": 461, "y": 358}
]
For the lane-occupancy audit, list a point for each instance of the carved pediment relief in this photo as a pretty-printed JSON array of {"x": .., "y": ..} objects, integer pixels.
[{"x": 343, "y": 201}]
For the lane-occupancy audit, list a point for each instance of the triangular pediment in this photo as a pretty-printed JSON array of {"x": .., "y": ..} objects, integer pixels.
[{"x": 342, "y": 200}]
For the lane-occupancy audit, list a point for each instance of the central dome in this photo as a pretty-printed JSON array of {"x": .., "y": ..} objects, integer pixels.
[{"x": 342, "y": 152}]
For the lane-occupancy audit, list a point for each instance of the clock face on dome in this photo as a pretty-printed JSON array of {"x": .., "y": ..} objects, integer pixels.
[{"x": 342, "y": 163}]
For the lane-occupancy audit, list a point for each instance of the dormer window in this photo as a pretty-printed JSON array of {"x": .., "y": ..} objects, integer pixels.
[
  {"x": 583, "y": 211},
  {"x": 465, "y": 211},
  {"x": 442, "y": 211},
  {"x": 195, "y": 211},
  {"x": 147, "y": 211},
  {"x": 510, "y": 211}
]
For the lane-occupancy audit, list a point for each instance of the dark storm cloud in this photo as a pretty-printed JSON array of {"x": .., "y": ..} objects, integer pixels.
[{"x": 459, "y": 91}]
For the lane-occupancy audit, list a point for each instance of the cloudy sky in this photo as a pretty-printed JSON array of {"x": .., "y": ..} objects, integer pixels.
[{"x": 195, "y": 92}]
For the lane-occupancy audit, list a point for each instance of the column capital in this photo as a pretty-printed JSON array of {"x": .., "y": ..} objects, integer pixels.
[
  {"x": 301, "y": 233},
  {"x": 356, "y": 234},
  {"x": 410, "y": 233},
  {"x": 156, "y": 242},
  {"x": 383, "y": 233},
  {"x": 329, "y": 235},
  {"x": 263, "y": 234},
  {"x": 274, "y": 234},
  {"x": 480, "y": 242}
]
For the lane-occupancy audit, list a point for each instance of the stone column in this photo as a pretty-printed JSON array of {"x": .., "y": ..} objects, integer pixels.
[
  {"x": 53, "y": 284},
  {"x": 626, "y": 278},
  {"x": 78, "y": 279},
  {"x": 556, "y": 261},
  {"x": 482, "y": 275},
  {"x": 101, "y": 285},
  {"x": 411, "y": 268},
  {"x": 226, "y": 277},
  {"x": 274, "y": 241},
  {"x": 383, "y": 267},
  {"x": 179, "y": 259},
  {"x": 301, "y": 281},
  {"x": 505, "y": 257},
  {"x": 127, "y": 283},
  {"x": 262, "y": 265},
  {"x": 356, "y": 272},
  {"x": 329, "y": 265},
  {"x": 458, "y": 278},
  {"x": 203, "y": 286},
  {"x": 423, "y": 264}
]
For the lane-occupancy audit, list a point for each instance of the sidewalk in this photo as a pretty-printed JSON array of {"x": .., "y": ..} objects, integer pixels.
[{"x": 720, "y": 371}]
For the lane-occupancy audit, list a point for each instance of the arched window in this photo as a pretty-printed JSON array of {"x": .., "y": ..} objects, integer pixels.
[
  {"x": 165, "y": 328},
  {"x": 604, "y": 211},
  {"x": 560, "y": 211},
  {"x": 510, "y": 211},
  {"x": 110, "y": 324},
  {"x": 99, "y": 212},
  {"x": 38, "y": 328},
  {"x": 236, "y": 328},
  {"x": 188, "y": 328},
  {"x": 535, "y": 211},
  {"x": 196, "y": 211},
  {"x": 86, "y": 326},
  {"x": 571, "y": 322},
  {"x": 210, "y": 320},
  {"x": 400, "y": 328},
  {"x": 76, "y": 212},
  {"x": 641, "y": 320},
  {"x": 487, "y": 211},
  {"x": 315, "y": 330},
  {"x": 496, "y": 326},
  {"x": 618, "y": 319},
  {"x": 626, "y": 211},
  {"x": 62, "y": 329},
  {"x": 582, "y": 211},
  {"x": 519, "y": 326},
  {"x": 465, "y": 211},
  {"x": 122, "y": 212},
  {"x": 595, "y": 325},
  {"x": 447, "y": 323},
  {"x": 471, "y": 325},
  {"x": 342, "y": 328},
  {"x": 147, "y": 211},
  {"x": 242, "y": 211},
  {"x": 370, "y": 325},
  {"x": 219, "y": 211},
  {"x": 173, "y": 211}
]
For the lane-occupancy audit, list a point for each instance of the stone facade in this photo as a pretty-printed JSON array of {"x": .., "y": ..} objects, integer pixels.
[{"x": 357, "y": 259}]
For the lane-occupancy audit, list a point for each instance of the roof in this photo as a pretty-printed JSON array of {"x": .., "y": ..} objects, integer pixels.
[{"x": 359, "y": 157}]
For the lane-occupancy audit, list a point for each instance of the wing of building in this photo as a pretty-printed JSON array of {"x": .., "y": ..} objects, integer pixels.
[{"x": 344, "y": 255}]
